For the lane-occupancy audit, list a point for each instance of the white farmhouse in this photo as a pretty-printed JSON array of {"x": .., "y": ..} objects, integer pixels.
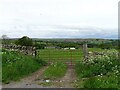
[
  {"x": 66, "y": 48},
  {"x": 72, "y": 48}
]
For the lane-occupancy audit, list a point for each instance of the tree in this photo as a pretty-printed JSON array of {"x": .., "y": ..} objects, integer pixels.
[
  {"x": 39, "y": 46},
  {"x": 24, "y": 41},
  {"x": 5, "y": 39}
]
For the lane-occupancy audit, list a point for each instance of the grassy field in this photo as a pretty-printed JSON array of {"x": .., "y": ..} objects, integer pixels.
[
  {"x": 95, "y": 49},
  {"x": 16, "y": 65},
  {"x": 59, "y": 55}
]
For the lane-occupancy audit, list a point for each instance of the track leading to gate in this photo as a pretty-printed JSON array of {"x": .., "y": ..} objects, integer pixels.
[
  {"x": 70, "y": 77},
  {"x": 35, "y": 80}
]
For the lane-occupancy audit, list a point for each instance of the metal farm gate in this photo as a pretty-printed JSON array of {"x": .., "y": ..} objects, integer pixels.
[{"x": 69, "y": 56}]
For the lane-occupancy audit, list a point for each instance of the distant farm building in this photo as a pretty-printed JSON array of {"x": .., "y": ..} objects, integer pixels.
[
  {"x": 66, "y": 48},
  {"x": 72, "y": 48}
]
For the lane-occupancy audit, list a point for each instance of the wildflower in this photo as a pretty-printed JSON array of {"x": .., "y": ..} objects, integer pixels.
[
  {"x": 98, "y": 79},
  {"x": 117, "y": 71}
]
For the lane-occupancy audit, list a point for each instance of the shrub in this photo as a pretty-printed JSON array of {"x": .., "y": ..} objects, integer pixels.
[
  {"x": 24, "y": 41},
  {"x": 101, "y": 71}
]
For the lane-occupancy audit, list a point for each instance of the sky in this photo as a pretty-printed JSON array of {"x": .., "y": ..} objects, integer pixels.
[{"x": 59, "y": 18}]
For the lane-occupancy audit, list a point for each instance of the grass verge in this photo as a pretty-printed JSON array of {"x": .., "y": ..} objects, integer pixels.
[
  {"x": 55, "y": 70},
  {"x": 16, "y": 65}
]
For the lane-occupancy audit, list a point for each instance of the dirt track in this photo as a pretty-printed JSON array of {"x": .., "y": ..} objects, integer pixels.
[
  {"x": 27, "y": 81},
  {"x": 35, "y": 80}
]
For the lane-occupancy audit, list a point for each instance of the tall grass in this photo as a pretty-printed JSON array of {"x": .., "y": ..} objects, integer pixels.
[{"x": 16, "y": 65}]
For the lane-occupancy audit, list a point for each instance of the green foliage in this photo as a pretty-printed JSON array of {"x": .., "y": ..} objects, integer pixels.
[
  {"x": 39, "y": 46},
  {"x": 41, "y": 62},
  {"x": 3, "y": 50},
  {"x": 24, "y": 41},
  {"x": 108, "y": 81},
  {"x": 16, "y": 65},
  {"x": 55, "y": 70},
  {"x": 67, "y": 44},
  {"x": 97, "y": 68},
  {"x": 105, "y": 44},
  {"x": 101, "y": 71}
]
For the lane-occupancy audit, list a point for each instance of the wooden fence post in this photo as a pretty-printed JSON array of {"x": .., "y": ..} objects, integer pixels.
[
  {"x": 71, "y": 58},
  {"x": 85, "y": 50},
  {"x": 49, "y": 56}
]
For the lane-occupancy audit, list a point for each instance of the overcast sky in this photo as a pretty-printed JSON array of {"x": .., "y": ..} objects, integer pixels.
[{"x": 59, "y": 18}]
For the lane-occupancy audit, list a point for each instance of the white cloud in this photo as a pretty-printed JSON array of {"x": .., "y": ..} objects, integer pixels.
[{"x": 45, "y": 18}]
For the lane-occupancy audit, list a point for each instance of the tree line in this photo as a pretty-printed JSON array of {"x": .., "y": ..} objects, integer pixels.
[{"x": 26, "y": 41}]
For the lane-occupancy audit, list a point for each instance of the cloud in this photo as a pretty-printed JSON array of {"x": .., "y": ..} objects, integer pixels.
[
  {"x": 59, "y": 18},
  {"x": 59, "y": 31},
  {"x": 86, "y": 32}
]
